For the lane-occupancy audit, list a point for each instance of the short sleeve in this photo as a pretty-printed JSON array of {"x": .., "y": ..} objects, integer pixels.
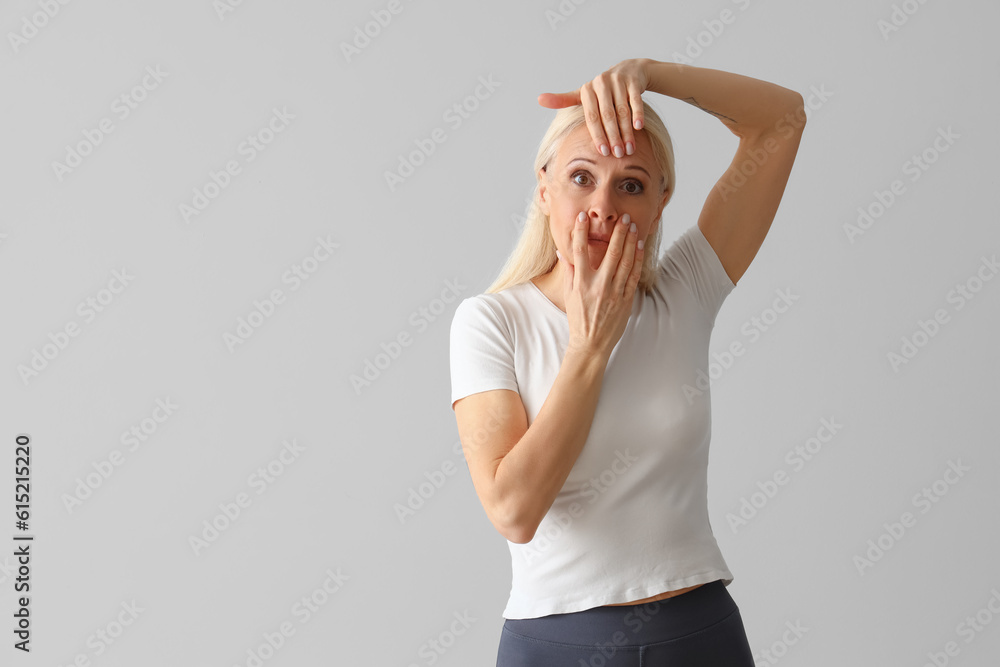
[
  {"x": 693, "y": 261},
  {"x": 482, "y": 350}
]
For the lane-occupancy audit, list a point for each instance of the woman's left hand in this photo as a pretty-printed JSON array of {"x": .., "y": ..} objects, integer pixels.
[{"x": 611, "y": 104}]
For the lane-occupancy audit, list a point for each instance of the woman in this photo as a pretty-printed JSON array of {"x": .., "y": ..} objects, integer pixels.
[{"x": 586, "y": 440}]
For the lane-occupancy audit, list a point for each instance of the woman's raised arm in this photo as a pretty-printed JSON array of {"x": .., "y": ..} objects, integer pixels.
[
  {"x": 769, "y": 121},
  {"x": 767, "y": 118}
]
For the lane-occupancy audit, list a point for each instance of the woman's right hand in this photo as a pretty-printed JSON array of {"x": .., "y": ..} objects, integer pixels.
[{"x": 599, "y": 303}]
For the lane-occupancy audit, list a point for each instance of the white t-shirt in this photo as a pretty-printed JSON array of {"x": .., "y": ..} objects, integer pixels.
[{"x": 631, "y": 521}]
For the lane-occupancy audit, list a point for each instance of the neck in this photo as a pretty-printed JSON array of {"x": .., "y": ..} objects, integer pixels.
[{"x": 551, "y": 285}]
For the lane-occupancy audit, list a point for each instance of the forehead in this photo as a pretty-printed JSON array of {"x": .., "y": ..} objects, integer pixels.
[{"x": 579, "y": 143}]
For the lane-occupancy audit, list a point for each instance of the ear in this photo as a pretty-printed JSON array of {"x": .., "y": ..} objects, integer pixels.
[
  {"x": 667, "y": 195},
  {"x": 543, "y": 202}
]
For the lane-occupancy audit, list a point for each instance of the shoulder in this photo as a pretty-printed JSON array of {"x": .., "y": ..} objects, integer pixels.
[
  {"x": 688, "y": 248},
  {"x": 496, "y": 310},
  {"x": 497, "y": 302},
  {"x": 691, "y": 262}
]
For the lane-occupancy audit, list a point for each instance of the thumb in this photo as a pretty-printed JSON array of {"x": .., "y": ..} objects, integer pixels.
[{"x": 559, "y": 100}]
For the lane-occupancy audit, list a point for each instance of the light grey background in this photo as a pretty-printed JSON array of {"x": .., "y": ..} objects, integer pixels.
[{"x": 436, "y": 238}]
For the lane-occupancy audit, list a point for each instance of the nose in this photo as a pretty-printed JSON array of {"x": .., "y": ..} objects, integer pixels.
[{"x": 604, "y": 210}]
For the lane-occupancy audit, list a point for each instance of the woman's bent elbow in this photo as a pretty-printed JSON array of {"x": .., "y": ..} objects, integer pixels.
[
  {"x": 513, "y": 528},
  {"x": 519, "y": 535}
]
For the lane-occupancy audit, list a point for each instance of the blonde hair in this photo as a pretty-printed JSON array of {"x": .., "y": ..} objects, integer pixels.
[{"x": 535, "y": 252}]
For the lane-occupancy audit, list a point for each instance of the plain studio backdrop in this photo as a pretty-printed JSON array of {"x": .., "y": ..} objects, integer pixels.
[{"x": 232, "y": 239}]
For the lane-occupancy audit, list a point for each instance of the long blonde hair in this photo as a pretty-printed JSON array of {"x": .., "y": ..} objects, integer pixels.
[{"x": 535, "y": 252}]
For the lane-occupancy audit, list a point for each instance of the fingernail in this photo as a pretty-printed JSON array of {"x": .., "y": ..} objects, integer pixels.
[
  {"x": 626, "y": 219},
  {"x": 582, "y": 217},
  {"x": 641, "y": 243},
  {"x": 632, "y": 227},
  {"x": 629, "y": 148},
  {"x": 618, "y": 151},
  {"x": 604, "y": 150},
  {"x": 559, "y": 255}
]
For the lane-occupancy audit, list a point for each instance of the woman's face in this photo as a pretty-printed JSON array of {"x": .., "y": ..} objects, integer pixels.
[{"x": 605, "y": 188}]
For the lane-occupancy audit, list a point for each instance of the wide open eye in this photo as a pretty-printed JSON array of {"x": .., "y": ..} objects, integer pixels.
[{"x": 638, "y": 187}]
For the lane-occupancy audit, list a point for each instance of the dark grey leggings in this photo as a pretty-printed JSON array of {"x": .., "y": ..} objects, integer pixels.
[{"x": 700, "y": 627}]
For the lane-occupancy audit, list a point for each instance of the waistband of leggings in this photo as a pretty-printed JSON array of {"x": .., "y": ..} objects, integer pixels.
[{"x": 641, "y": 623}]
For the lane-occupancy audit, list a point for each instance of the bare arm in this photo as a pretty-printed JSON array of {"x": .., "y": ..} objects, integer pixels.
[
  {"x": 740, "y": 208},
  {"x": 745, "y": 105},
  {"x": 519, "y": 470}
]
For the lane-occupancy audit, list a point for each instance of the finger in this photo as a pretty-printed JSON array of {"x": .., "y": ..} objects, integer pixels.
[
  {"x": 627, "y": 265},
  {"x": 613, "y": 255},
  {"x": 581, "y": 252},
  {"x": 630, "y": 109},
  {"x": 635, "y": 101},
  {"x": 624, "y": 120},
  {"x": 608, "y": 98},
  {"x": 567, "y": 275},
  {"x": 635, "y": 274},
  {"x": 591, "y": 113},
  {"x": 559, "y": 100}
]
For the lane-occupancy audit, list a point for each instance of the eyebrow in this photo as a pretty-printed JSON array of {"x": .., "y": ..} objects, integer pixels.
[{"x": 631, "y": 166}]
